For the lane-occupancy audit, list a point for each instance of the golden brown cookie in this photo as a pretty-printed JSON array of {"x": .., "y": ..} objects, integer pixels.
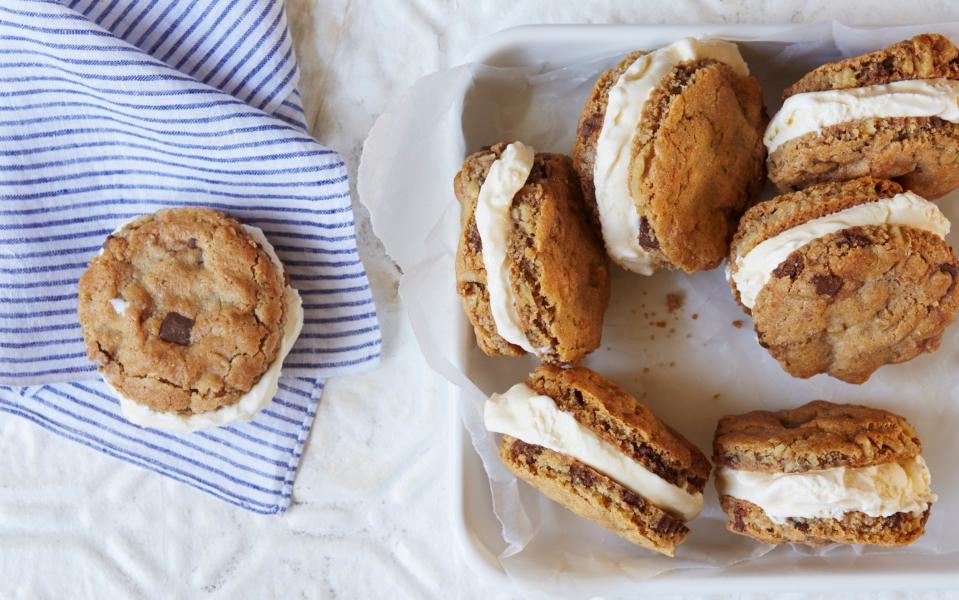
[
  {"x": 899, "y": 529},
  {"x": 848, "y": 302},
  {"x": 815, "y": 439},
  {"x": 594, "y": 496},
  {"x": 618, "y": 419},
  {"x": 696, "y": 163},
  {"x": 182, "y": 311},
  {"x": 558, "y": 271},
  {"x": 921, "y": 153},
  {"x": 817, "y": 435}
]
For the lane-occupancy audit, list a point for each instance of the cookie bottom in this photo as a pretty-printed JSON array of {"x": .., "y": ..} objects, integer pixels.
[
  {"x": 594, "y": 496},
  {"x": 900, "y": 529},
  {"x": 921, "y": 153}
]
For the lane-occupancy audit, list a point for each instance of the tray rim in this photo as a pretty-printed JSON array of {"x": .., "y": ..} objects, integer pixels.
[{"x": 943, "y": 570}]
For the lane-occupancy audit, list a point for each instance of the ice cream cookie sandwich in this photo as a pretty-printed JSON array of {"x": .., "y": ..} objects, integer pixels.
[
  {"x": 892, "y": 114},
  {"x": 842, "y": 278},
  {"x": 530, "y": 269},
  {"x": 589, "y": 445},
  {"x": 189, "y": 316},
  {"x": 823, "y": 473},
  {"x": 669, "y": 151}
]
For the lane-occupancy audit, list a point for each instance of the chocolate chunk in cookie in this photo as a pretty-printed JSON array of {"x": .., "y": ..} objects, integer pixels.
[{"x": 176, "y": 328}]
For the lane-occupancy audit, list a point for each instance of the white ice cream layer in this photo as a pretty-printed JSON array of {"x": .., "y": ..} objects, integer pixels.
[
  {"x": 260, "y": 395},
  {"x": 624, "y": 110},
  {"x": 878, "y": 491},
  {"x": 755, "y": 269},
  {"x": 535, "y": 419},
  {"x": 812, "y": 111},
  {"x": 506, "y": 176}
]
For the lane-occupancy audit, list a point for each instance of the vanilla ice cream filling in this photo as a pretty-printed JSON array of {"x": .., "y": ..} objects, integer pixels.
[
  {"x": 252, "y": 402},
  {"x": 618, "y": 215},
  {"x": 813, "y": 111},
  {"x": 507, "y": 176},
  {"x": 878, "y": 490},
  {"x": 755, "y": 269},
  {"x": 535, "y": 419}
]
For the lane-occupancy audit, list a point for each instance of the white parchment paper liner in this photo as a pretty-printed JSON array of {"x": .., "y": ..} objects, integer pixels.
[{"x": 690, "y": 371}]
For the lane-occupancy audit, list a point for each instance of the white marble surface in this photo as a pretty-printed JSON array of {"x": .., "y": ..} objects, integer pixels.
[{"x": 369, "y": 510}]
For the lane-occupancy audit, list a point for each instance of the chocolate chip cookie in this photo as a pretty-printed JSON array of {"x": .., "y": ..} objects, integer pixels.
[
  {"x": 890, "y": 114},
  {"x": 550, "y": 281},
  {"x": 842, "y": 278},
  {"x": 183, "y": 311},
  {"x": 822, "y": 473},
  {"x": 594, "y": 428},
  {"x": 669, "y": 152}
]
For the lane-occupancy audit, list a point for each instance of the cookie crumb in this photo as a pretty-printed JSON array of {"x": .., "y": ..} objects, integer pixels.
[
  {"x": 674, "y": 301},
  {"x": 695, "y": 316},
  {"x": 738, "y": 324},
  {"x": 661, "y": 324},
  {"x": 715, "y": 396}
]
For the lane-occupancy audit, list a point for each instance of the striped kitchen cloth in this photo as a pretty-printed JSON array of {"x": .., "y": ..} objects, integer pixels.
[{"x": 115, "y": 108}]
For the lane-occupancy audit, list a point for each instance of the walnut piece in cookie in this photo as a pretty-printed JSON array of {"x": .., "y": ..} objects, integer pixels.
[{"x": 183, "y": 311}]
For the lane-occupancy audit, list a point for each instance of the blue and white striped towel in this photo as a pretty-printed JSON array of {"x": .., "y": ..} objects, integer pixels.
[{"x": 114, "y": 108}]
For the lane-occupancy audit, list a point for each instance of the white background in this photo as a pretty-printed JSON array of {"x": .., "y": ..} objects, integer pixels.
[{"x": 370, "y": 505}]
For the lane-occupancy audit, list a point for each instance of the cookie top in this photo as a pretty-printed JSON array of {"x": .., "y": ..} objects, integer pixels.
[
  {"x": 818, "y": 435},
  {"x": 926, "y": 56},
  {"x": 558, "y": 270},
  {"x": 697, "y": 159},
  {"x": 853, "y": 301},
  {"x": 617, "y": 417},
  {"x": 182, "y": 311}
]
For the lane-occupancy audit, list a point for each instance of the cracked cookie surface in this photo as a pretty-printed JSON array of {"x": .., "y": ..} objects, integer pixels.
[
  {"x": 858, "y": 299},
  {"x": 182, "y": 311}
]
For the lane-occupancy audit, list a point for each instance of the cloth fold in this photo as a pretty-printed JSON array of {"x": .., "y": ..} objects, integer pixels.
[{"x": 115, "y": 108}]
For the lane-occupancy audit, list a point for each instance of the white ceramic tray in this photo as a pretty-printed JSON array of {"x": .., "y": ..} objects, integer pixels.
[{"x": 476, "y": 526}]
